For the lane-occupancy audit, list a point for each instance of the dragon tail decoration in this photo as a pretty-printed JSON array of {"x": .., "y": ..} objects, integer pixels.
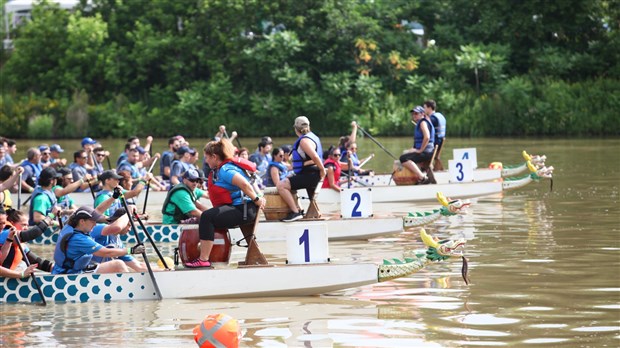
[{"x": 437, "y": 250}]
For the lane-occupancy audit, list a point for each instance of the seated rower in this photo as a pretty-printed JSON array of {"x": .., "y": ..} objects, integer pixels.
[
  {"x": 108, "y": 235},
  {"x": 75, "y": 248},
  {"x": 9, "y": 177},
  {"x": 182, "y": 201},
  {"x": 276, "y": 170},
  {"x": 44, "y": 201},
  {"x": 110, "y": 181},
  {"x": 12, "y": 257},
  {"x": 332, "y": 164},
  {"x": 235, "y": 201},
  {"x": 423, "y": 146},
  {"x": 307, "y": 165},
  {"x": 7, "y": 272}
]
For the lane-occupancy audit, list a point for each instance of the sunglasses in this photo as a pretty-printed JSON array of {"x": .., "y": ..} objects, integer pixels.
[
  {"x": 199, "y": 181},
  {"x": 45, "y": 153},
  {"x": 85, "y": 157},
  {"x": 336, "y": 154},
  {"x": 101, "y": 155}
]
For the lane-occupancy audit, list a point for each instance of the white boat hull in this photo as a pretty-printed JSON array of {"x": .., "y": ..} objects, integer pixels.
[{"x": 228, "y": 282}]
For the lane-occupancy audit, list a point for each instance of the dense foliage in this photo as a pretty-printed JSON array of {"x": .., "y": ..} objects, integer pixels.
[{"x": 495, "y": 67}]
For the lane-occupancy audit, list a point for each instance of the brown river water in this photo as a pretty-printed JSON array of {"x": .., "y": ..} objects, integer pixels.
[{"x": 544, "y": 269}]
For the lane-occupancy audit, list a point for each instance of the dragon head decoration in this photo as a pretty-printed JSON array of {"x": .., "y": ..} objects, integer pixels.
[
  {"x": 440, "y": 250},
  {"x": 436, "y": 251},
  {"x": 451, "y": 206},
  {"x": 537, "y": 161}
]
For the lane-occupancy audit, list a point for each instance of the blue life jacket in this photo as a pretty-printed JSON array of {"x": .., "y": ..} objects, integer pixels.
[
  {"x": 36, "y": 171},
  {"x": 439, "y": 122},
  {"x": 268, "y": 181},
  {"x": 38, "y": 191},
  {"x": 418, "y": 137},
  {"x": 125, "y": 165},
  {"x": 64, "y": 264},
  {"x": 298, "y": 161}
]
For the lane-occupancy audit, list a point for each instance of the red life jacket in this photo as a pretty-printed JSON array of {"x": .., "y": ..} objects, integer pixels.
[
  {"x": 337, "y": 172},
  {"x": 219, "y": 195},
  {"x": 14, "y": 257}
]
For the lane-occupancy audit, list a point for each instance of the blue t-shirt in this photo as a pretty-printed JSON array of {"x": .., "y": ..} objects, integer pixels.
[
  {"x": 224, "y": 177},
  {"x": 166, "y": 160},
  {"x": 79, "y": 245},
  {"x": 110, "y": 241}
]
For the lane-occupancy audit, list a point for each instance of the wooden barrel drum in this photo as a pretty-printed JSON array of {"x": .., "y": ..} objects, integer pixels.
[
  {"x": 275, "y": 208},
  {"x": 402, "y": 175},
  {"x": 189, "y": 245}
]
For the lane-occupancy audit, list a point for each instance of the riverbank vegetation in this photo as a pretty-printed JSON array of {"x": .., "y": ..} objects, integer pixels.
[{"x": 495, "y": 68}]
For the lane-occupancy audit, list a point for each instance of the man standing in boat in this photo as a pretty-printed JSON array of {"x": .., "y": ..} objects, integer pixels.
[
  {"x": 423, "y": 145},
  {"x": 307, "y": 165},
  {"x": 439, "y": 122}
]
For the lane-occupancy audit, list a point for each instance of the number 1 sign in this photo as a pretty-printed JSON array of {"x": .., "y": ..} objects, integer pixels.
[{"x": 306, "y": 242}]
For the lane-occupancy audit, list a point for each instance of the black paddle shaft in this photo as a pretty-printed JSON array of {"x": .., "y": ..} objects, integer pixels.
[
  {"x": 376, "y": 142},
  {"x": 148, "y": 235},
  {"x": 146, "y": 260}
]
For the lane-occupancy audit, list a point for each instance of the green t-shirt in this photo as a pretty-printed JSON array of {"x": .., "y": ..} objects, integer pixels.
[
  {"x": 41, "y": 203},
  {"x": 105, "y": 195},
  {"x": 183, "y": 200}
]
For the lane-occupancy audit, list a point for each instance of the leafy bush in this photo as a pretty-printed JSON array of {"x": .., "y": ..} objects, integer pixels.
[{"x": 40, "y": 127}]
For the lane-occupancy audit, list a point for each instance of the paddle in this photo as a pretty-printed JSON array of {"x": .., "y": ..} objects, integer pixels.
[
  {"x": 236, "y": 138},
  {"x": 376, "y": 142},
  {"x": 138, "y": 239},
  {"x": 25, "y": 258},
  {"x": 109, "y": 164},
  {"x": 26, "y": 201},
  {"x": 148, "y": 235},
  {"x": 350, "y": 165},
  {"x": 148, "y": 188},
  {"x": 19, "y": 193},
  {"x": 92, "y": 191},
  {"x": 366, "y": 160}
]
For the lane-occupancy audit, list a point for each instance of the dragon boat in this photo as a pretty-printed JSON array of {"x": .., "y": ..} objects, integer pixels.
[
  {"x": 224, "y": 281},
  {"x": 269, "y": 231},
  {"x": 494, "y": 172},
  {"x": 422, "y": 193},
  {"x": 156, "y": 199},
  {"x": 449, "y": 207}
]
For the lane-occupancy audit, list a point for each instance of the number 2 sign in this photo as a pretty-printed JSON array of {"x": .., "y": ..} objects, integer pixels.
[{"x": 356, "y": 202}]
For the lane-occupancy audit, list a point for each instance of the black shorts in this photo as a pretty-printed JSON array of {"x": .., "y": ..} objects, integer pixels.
[
  {"x": 416, "y": 157},
  {"x": 307, "y": 179}
]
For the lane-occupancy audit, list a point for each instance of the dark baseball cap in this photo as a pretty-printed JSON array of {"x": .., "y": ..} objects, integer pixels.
[
  {"x": 49, "y": 173},
  {"x": 193, "y": 174},
  {"x": 185, "y": 149},
  {"x": 109, "y": 174},
  {"x": 87, "y": 213},
  {"x": 56, "y": 148}
]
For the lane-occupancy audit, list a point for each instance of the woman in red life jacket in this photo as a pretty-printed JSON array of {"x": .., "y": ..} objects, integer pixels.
[
  {"x": 332, "y": 164},
  {"x": 235, "y": 201}
]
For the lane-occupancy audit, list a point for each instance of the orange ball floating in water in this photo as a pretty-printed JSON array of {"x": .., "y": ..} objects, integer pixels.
[{"x": 217, "y": 330}]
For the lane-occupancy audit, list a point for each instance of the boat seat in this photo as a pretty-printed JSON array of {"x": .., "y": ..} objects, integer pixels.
[{"x": 253, "y": 257}]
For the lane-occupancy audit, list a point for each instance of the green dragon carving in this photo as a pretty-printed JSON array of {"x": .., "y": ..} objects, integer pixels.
[
  {"x": 436, "y": 251},
  {"x": 449, "y": 207}
]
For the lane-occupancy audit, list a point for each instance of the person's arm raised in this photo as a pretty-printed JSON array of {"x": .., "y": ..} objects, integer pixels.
[{"x": 12, "y": 180}]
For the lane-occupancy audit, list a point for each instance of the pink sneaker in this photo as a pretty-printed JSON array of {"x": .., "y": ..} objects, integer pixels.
[{"x": 198, "y": 263}]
